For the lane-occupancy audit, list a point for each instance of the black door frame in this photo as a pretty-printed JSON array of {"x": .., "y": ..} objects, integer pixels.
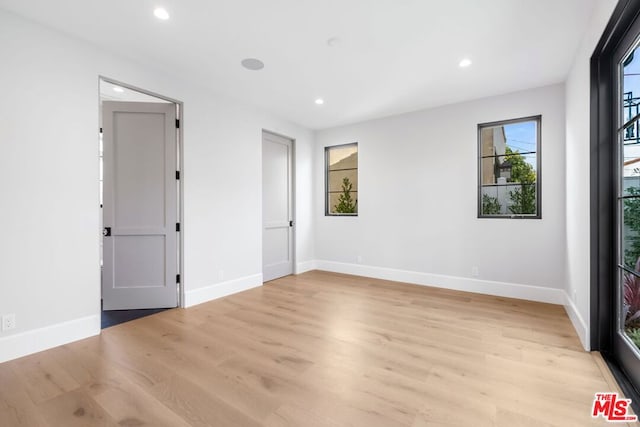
[{"x": 603, "y": 149}]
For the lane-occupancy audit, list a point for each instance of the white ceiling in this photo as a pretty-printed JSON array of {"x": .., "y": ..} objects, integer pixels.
[{"x": 394, "y": 56}]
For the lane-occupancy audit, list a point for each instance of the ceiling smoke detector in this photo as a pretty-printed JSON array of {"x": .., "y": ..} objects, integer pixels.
[
  {"x": 252, "y": 64},
  {"x": 333, "y": 42}
]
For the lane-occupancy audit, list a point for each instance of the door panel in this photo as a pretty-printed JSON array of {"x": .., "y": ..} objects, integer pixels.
[
  {"x": 277, "y": 211},
  {"x": 140, "y": 205},
  {"x": 140, "y": 141},
  {"x": 139, "y": 261},
  {"x": 278, "y": 244}
]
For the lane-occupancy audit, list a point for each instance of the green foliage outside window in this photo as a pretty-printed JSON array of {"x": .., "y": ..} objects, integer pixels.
[
  {"x": 490, "y": 205},
  {"x": 631, "y": 282},
  {"x": 346, "y": 204},
  {"x": 523, "y": 200},
  {"x": 632, "y": 220}
]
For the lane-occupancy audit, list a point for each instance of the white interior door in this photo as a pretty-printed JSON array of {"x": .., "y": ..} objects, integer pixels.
[
  {"x": 140, "y": 205},
  {"x": 277, "y": 208}
]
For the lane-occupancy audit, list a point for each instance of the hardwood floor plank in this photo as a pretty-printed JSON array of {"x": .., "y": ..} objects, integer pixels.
[
  {"x": 16, "y": 407},
  {"x": 43, "y": 377},
  {"x": 130, "y": 406},
  {"x": 75, "y": 409},
  {"x": 306, "y": 394},
  {"x": 292, "y": 415},
  {"x": 318, "y": 349}
]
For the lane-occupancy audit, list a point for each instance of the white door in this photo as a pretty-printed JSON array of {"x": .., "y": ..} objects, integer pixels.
[
  {"x": 277, "y": 209},
  {"x": 140, "y": 205}
]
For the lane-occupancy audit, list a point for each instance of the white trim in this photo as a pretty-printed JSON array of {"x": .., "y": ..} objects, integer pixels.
[
  {"x": 303, "y": 267},
  {"x": 578, "y": 322},
  {"x": 502, "y": 289},
  {"x": 35, "y": 340},
  {"x": 222, "y": 289}
]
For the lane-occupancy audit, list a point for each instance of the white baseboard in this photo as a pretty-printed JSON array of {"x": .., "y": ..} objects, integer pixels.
[
  {"x": 578, "y": 322},
  {"x": 303, "y": 267},
  {"x": 35, "y": 340},
  {"x": 222, "y": 289},
  {"x": 502, "y": 289}
]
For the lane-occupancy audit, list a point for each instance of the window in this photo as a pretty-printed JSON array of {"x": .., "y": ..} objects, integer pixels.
[
  {"x": 341, "y": 179},
  {"x": 509, "y": 168}
]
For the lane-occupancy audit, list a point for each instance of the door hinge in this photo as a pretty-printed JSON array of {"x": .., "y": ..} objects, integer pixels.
[
  {"x": 100, "y": 130},
  {"x": 177, "y": 278},
  {"x": 177, "y": 174},
  {"x": 177, "y": 123},
  {"x": 177, "y": 226},
  {"x": 290, "y": 223}
]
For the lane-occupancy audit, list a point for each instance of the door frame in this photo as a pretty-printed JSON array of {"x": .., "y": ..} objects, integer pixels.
[
  {"x": 180, "y": 168},
  {"x": 293, "y": 196},
  {"x": 603, "y": 191}
]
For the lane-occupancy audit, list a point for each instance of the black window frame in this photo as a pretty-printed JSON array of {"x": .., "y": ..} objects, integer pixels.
[
  {"x": 327, "y": 211},
  {"x": 537, "y": 152}
]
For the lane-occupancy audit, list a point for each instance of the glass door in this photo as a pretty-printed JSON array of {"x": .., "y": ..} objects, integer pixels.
[{"x": 626, "y": 337}]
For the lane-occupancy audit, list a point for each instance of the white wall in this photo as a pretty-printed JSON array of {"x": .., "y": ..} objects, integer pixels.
[
  {"x": 49, "y": 267},
  {"x": 417, "y": 202},
  {"x": 577, "y": 172}
]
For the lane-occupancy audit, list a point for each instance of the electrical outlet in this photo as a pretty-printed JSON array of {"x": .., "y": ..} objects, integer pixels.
[
  {"x": 475, "y": 271},
  {"x": 8, "y": 322},
  {"x": 359, "y": 259}
]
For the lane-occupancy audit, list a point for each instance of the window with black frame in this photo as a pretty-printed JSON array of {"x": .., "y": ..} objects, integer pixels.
[
  {"x": 341, "y": 180},
  {"x": 509, "y": 168}
]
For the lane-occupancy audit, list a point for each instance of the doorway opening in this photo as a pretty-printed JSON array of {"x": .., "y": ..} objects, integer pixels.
[{"x": 140, "y": 202}]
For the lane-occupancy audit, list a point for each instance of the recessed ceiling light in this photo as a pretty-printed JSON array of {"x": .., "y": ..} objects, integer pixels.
[
  {"x": 252, "y": 64},
  {"x": 161, "y": 13},
  {"x": 118, "y": 89},
  {"x": 465, "y": 63},
  {"x": 319, "y": 101}
]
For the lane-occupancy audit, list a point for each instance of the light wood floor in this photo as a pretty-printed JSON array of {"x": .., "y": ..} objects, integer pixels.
[{"x": 319, "y": 349}]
